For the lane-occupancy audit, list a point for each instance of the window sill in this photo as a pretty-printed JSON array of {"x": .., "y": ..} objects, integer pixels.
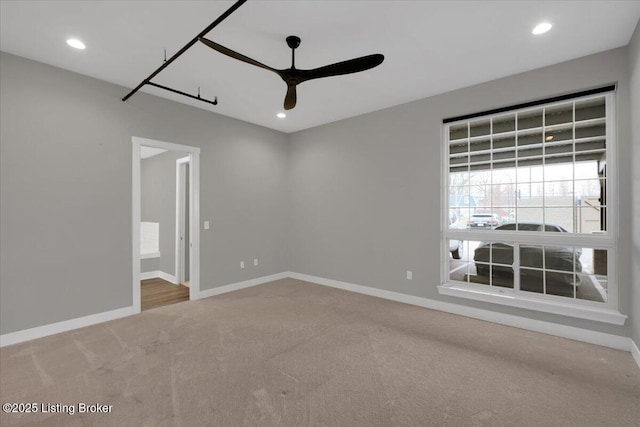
[
  {"x": 510, "y": 299},
  {"x": 149, "y": 255}
]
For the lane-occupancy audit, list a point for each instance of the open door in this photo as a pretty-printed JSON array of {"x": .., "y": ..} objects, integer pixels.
[{"x": 183, "y": 241}]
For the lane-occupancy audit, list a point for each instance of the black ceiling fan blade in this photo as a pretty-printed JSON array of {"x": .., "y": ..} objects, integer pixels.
[
  {"x": 345, "y": 67},
  {"x": 291, "y": 97},
  {"x": 235, "y": 55}
]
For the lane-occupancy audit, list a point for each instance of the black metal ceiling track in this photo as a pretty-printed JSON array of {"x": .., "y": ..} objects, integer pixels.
[
  {"x": 179, "y": 92},
  {"x": 608, "y": 88},
  {"x": 193, "y": 41}
]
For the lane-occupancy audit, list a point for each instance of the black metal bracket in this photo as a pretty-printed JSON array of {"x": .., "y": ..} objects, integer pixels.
[
  {"x": 166, "y": 63},
  {"x": 179, "y": 92}
]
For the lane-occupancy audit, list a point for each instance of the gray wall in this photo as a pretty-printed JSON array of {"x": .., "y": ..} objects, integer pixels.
[
  {"x": 634, "y": 67},
  {"x": 365, "y": 192},
  {"x": 356, "y": 200},
  {"x": 149, "y": 264},
  {"x": 65, "y": 192},
  {"x": 158, "y": 202}
]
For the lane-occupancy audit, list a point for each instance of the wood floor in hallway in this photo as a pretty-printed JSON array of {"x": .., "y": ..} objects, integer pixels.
[{"x": 158, "y": 292}]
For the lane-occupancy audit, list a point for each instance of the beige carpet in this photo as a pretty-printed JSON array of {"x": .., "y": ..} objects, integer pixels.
[{"x": 291, "y": 353}]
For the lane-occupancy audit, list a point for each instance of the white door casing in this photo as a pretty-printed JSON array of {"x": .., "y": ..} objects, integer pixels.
[{"x": 194, "y": 213}]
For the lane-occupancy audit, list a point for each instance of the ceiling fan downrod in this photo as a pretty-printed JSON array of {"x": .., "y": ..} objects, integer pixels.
[{"x": 293, "y": 42}]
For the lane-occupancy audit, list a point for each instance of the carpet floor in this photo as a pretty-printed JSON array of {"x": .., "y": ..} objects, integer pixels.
[{"x": 290, "y": 353}]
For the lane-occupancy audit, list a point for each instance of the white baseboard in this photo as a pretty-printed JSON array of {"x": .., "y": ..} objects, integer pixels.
[
  {"x": 66, "y": 325},
  {"x": 159, "y": 274},
  {"x": 149, "y": 275},
  {"x": 241, "y": 285},
  {"x": 593, "y": 337},
  {"x": 80, "y": 322},
  {"x": 635, "y": 352},
  {"x": 578, "y": 334}
]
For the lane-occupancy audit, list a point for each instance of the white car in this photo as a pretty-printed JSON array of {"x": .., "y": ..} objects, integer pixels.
[
  {"x": 455, "y": 246},
  {"x": 484, "y": 221}
]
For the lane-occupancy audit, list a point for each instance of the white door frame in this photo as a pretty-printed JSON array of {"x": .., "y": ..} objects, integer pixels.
[
  {"x": 180, "y": 219},
  {"x": 194, "y": 213}
]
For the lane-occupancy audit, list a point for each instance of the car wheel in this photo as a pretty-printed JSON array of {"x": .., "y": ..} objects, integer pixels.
[{"x": 457, "y": 252}]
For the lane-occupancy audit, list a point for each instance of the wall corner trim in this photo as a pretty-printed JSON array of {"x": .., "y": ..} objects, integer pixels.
[
  {"x": 157, "y": 274},
  {"x": 599, "y": 338},
  {"x": 66, "y": 325},
  {"x": 149, "y": 275},
  {"x": 635, "y": 352}
]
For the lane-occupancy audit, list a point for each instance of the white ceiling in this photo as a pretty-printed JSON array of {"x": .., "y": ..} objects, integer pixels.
[{"x": 430, "y": 47}]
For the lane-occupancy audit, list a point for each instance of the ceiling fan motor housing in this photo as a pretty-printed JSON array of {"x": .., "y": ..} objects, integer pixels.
[{"x": 293, "y": 42}]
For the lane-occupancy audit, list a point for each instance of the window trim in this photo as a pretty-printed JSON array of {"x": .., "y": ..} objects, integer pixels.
[
  {"x": 606, "y": 312},
  {"x": 508, "y": 298},
  {"x": 524, "y": 105}
]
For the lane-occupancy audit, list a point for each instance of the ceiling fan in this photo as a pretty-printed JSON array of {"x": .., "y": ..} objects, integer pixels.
[{"x": 293, "y": 76}]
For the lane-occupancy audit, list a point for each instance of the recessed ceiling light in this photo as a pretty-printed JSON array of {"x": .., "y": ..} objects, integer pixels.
[
  {"x": 76, "y": 43},
  {"x": 281, "y": 115},
  {"x": 541, "y": 28}
]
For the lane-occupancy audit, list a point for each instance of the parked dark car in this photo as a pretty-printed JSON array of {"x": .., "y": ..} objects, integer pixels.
[
  {"x": 484, "y": 221},
  {"x": 556, "y": 257}
]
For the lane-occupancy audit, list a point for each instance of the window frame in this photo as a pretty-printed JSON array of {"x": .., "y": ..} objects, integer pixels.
[{"x": 599, "y": 311}]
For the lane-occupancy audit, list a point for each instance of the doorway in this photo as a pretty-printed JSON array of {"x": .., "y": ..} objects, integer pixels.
[{"x": 186, "y": 251}]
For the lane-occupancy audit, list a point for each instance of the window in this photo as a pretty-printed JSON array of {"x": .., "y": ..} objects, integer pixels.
[{"x": 530, "y": 189}]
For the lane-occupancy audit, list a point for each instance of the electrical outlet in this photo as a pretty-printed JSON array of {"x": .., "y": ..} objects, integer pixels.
[
  {"x": 255, "y": 262},
  {"x": 206, "y": 225},
  {"x": 409, "y": 275},
  {"x": 241, "y": 264}
]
